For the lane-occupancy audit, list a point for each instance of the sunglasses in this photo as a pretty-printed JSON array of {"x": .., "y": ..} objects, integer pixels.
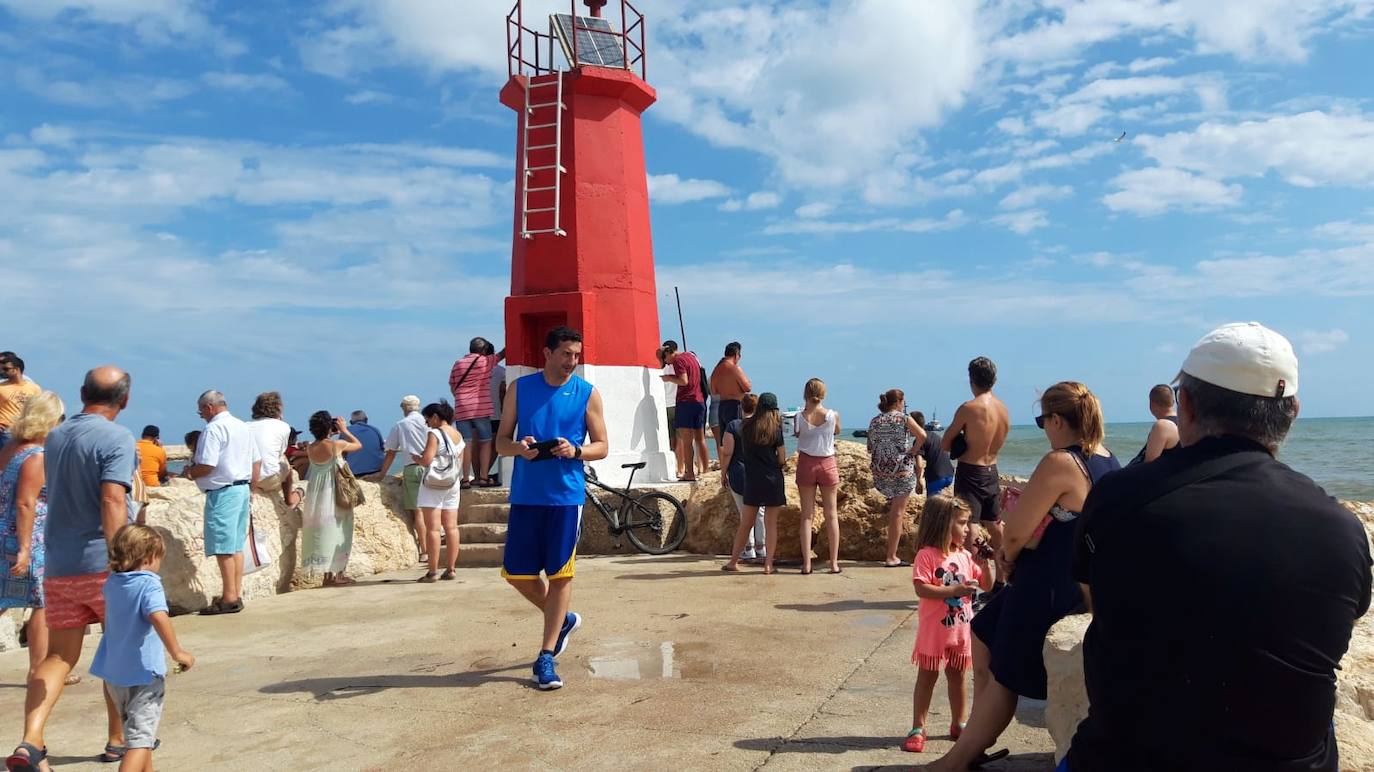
[{"x": 1040, "y": 421}]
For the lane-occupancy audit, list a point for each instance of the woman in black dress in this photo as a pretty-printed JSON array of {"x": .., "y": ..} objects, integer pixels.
[
  {"x": 1037, "y": 551},
  {"x": 763, "y": 456}
]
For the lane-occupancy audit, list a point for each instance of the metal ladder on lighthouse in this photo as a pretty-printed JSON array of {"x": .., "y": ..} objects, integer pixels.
[{"x": 556, "y": 167}]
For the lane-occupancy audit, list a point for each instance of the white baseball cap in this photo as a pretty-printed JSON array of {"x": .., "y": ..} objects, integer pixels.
[{"x": 1245, "y": 357}]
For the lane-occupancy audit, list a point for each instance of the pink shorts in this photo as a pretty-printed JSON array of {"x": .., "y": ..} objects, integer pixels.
[
  {"x": 75, "y": 601},
  {"x": 817, "y": 470}
]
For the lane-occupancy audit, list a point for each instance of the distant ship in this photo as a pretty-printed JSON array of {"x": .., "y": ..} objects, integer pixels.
[{"x": 789, "y": 419}]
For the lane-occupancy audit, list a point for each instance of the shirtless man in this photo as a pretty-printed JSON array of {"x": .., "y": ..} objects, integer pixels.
[
  {"x": 1164, "y": 434},
  {"x": 982, "y": 423},
  {"x": 730, "y": 384}
]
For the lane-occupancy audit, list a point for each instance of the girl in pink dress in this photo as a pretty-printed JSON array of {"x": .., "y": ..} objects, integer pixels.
[{"x": 946, "y": 577}]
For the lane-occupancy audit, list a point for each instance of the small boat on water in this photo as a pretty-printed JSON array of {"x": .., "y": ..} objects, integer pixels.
[
  {"x": 934, "y": 426},
  {"x": 789, "y": 419},
  {"x": 861, "y": 433}
]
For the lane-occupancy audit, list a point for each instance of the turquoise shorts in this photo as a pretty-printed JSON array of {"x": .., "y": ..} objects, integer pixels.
[
  {"x": 226, "y": 519},
  {"x": 541, "y": 539}
]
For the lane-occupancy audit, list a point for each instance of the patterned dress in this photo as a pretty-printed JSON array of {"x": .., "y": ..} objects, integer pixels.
[
  {"x": 25, "y": 591},
  {"x": 894, "y": 472}
]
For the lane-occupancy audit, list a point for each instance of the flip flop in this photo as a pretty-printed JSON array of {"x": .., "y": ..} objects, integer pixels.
[
  {"x": 988, "y": 758},
  {"x": 71, "y": 680},
  {"x": 730, "y": 569},
  {"x": 898, "y": 564}
]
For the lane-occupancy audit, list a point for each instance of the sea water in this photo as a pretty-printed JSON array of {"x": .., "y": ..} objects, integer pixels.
[{"x": 1336, "y": 452}]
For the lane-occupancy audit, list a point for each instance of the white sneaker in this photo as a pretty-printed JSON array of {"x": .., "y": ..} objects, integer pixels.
[{"x": 747, "y": 555}]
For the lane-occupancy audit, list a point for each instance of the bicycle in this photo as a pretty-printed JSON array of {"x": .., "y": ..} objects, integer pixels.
[{"x": 655, "y": 522}]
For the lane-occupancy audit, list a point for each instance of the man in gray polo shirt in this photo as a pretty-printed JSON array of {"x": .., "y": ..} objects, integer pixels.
[{"x": 89, "y": 463}]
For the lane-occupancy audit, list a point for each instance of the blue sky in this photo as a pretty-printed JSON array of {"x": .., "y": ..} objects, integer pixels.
[{"x": 316, "y": 196}]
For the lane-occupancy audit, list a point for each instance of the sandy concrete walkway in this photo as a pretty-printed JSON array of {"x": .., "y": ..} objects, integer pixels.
[{"x": 678, "y": 666}]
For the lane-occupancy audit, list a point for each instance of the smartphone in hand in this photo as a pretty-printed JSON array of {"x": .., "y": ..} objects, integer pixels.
[{"x": 545, "y": 449}]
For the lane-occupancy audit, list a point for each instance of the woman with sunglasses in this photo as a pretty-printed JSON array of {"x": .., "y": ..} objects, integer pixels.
[{"x": 1037, "y": 550}]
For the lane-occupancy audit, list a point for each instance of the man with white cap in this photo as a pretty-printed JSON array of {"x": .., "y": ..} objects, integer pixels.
[{"x": 1224, "y": 585}]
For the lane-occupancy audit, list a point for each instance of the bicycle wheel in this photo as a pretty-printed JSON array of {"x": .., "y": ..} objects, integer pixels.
[{"x": 655, "y": 522}]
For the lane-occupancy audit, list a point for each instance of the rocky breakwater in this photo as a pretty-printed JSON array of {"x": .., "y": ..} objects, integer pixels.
[
  {"x": 1068, "y": 699},
  {"x": 381, "y": 542},
  {"x": 862, "y": 514}
]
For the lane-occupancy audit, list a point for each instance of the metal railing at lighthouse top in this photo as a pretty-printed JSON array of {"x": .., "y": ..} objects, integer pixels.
[{"x": 585, "y": 39}]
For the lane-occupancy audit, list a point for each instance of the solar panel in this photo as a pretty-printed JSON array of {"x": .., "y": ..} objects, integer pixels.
[{"x": 597, "y": 43}]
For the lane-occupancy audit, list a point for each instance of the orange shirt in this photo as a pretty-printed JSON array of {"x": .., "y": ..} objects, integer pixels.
[
  {"x": 12, "y": 399},
  {"x": 152, "y": 462}
]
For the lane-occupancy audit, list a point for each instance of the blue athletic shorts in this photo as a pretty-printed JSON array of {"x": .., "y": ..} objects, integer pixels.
[
  {"x": 933, "y": 487},
  {"x": 474, "y": 429},
  {"x": 541, "y": 539},
  {"x": 226, "y": 520},
  {"x": 690, "y": 415}
]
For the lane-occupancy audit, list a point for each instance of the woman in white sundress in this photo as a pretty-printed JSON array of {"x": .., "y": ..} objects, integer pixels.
[{"x": 326, "y": 527}]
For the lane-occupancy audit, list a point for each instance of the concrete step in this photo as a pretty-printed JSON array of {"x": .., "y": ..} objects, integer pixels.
[
  {"x": 484, "y": 513},
  {"x": 482, "y": 533},
  {"x": 476, "y": 555},
  {"x": 481, "y": 496}
]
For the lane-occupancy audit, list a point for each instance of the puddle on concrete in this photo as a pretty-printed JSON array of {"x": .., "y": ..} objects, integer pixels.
[{"x": 639, "y": 660}]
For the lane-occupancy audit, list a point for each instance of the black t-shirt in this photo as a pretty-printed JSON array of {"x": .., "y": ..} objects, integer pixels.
[
  {"x": 1221, "y": 610},
  {"x": 938, "y": 465}
]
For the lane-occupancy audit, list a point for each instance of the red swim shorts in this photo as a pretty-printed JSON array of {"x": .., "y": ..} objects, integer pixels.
[
  {"x": 75, "y": 601},
  {"x": 817, "y": 470}
]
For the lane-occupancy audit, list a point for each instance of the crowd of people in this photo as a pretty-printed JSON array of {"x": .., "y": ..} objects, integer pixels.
[
  {"x": 1205, "y": 500},
  {"x": 1204, "y": 505}
]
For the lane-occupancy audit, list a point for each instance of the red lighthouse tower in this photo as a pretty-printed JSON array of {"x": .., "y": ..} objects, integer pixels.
[{"x": 582, "y": 254}]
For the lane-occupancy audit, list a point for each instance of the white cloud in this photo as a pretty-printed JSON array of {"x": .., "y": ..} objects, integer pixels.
[
  {"x": 1346, "y": 231},
  {"x": 134, "y": 92},
  {"x": 814, "y": 210},
  {"x": 754, "y": 202},
  {"x": 1022, "y": 222},
  {"x": 1322, "y": 342},
  {"x": 952, "y": 219},
  {"x": 1156, "y": 190},
  {"x": 1014, "y": 126},
  {"x": 369, "y": 97},
  {"x": 1033, "y": 194},
  {"x": 155, "y": 22},
  {"x": 749, "y": 77},
  {"x": 672, "y": 189},
  {"x": 47, "y": 134},
  {"x": 1249, "y": 29},
  {"x": 242, "y": 81},
  {"x": 1308, "y": 149}
]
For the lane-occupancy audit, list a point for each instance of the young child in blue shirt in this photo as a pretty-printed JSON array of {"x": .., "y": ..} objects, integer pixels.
[{"x": 129, "y": 658}]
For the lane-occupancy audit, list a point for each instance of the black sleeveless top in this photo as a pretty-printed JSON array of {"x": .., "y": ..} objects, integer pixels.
[{"x": 1140, "y": 457}]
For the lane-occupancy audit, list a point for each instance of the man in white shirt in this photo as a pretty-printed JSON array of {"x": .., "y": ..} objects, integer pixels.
[
  {"x": 408, "y": 438},
  {"x": 225, "y": 466},
  {"x": 271, "y": 435}
]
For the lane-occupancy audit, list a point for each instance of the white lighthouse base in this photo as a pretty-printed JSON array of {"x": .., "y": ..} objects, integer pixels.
[{"x": 636, "y": 422}]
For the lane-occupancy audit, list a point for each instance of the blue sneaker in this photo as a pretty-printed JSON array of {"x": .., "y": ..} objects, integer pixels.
[
  {"x": 544, "y": 675},
  {"x": 570, "y": 624}
]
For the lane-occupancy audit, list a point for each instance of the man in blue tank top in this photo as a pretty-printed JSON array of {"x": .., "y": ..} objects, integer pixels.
[{"x": 547, "y": 490}]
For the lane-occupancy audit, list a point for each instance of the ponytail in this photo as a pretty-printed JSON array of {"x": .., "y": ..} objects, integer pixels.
[{"x": 1078, "y": 406}]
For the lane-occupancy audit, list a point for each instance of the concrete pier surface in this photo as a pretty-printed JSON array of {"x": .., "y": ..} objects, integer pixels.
[{"x": 677, "y": 666}]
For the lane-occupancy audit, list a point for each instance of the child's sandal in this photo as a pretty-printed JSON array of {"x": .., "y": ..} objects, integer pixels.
[
  {"x": 915, "y": 741},
  {"x": 955, "y": 730}
]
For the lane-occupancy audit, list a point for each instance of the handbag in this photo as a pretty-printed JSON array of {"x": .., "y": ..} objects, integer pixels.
[
  {"x": 257, "y": 554},
  {"x": 347, "y": 492},
  {"x": 438, "y": 475}
]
